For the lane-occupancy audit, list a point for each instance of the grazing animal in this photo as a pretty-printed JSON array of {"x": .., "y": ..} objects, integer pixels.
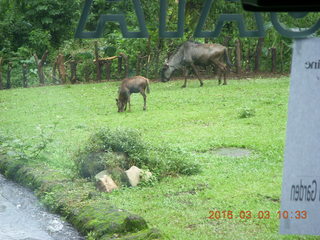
[
  {"x": 192, "y": 54},
  {"x": 137, "y": 84}
]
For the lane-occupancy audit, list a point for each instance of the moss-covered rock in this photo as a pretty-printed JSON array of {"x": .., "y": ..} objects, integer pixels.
[
  {"x": 135, "y": 223},
  {"x": 106, "y": 219},
  {"x": 91, "y": 163}
]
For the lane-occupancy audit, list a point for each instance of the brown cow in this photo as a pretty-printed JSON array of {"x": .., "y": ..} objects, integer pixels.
[
  {"x": 192, "y": 54},
  {"x": 137, "y": 84}
]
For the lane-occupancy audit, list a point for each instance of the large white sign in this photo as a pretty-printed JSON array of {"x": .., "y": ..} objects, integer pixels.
[{"x": 300, "y": 204}]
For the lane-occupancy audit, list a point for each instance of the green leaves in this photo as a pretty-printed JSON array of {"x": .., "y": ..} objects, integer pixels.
[
  {"x": 22, "y": 149},
  {"x": 19, "y": 19}
]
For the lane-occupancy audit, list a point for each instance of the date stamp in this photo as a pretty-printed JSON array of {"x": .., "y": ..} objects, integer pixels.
[{"x": 263, "y": 214}]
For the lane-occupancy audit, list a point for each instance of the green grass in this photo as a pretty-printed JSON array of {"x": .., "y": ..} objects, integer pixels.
[{"x": 246, "y": 113}]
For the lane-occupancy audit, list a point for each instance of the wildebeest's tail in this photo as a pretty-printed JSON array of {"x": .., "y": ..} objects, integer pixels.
[
  {"x": 148, "y": 88},
  {"x": 226, "y": 56}
]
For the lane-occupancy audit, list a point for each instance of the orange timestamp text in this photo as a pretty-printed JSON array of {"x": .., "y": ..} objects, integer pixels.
[{"x": 263, "y": 214}]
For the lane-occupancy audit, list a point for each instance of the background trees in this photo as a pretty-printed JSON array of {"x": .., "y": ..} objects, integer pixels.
[{"x": 32, "y": 26}]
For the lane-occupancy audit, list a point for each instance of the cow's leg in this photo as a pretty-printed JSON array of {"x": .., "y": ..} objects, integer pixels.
[
  {"x": 196, "y": 72},
  {"x": 144, "y": 99},
  {"x": 186, "y": 73}
]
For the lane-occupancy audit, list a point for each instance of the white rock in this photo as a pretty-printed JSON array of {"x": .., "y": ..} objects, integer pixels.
[{"x": 135, "y": 175}]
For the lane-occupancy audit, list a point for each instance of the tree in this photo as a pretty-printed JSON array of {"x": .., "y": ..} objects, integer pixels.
[{"x": 33, "y": 23}]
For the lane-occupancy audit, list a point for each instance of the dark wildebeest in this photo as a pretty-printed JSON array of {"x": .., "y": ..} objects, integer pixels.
[
  {"x": 192, "y": 54},
  {"x": 137, "y": 84}
]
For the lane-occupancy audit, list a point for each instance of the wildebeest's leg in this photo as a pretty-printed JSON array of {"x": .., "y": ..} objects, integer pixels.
[
  {"x": 186, "y": 73},
  {"x": 129, "y": 103},
  {"x": 219, "y": 75},
  {"x": 225, "y": 77},
  {"x": 144, "y": 99},
  {"x": 218, "y": 70},
  {"x": 224, "y": 72},
  {"x": 196, "y": 72}
]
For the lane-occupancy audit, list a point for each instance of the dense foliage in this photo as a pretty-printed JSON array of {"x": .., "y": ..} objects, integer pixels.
[{"x": 32, "y": 26}]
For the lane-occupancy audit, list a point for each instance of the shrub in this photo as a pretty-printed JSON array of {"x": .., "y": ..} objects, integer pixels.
[
  {"x": 21, "y": 149},
  {"x": 122, "y": 148}
]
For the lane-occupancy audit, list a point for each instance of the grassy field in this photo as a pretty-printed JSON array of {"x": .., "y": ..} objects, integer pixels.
[{"x": 248, "y": 114}]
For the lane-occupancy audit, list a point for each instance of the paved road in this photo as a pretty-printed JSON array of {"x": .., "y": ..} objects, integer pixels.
[{"x": 23, "y": 218}]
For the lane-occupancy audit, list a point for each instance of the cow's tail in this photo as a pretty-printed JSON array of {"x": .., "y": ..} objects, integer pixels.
[{"x": 226, "y": 56}]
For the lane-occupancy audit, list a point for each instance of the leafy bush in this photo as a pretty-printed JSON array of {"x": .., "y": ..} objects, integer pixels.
[
  {"x": 21, "y": 149},
  {"x": 122, "y": 148}
]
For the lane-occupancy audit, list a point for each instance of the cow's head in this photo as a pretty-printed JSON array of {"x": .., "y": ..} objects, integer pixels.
[{"x": 166, "y": 71}]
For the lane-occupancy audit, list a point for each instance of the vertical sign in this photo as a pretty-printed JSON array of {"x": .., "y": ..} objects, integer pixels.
[{"x": 300, "y": 204}]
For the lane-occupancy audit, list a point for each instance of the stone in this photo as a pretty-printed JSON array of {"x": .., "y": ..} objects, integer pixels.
[
  {"x": 133, "y": 175},
  {"x": 101, "y": 174},
  {"x": 104, "y": 182},
  {"x": 91, "y": 164},
  {"x": 135, "y": 223},
  {"x": 136, "y": 175},
  {"x": 119, "y": 176}
]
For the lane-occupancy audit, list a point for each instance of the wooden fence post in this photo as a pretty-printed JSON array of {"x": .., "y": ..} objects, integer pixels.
[
  {"x": 248, "y": 62},
  {"x": 73, "y": 68},
  {"x": 281, "y": 56},
  {"x": 273, "y": 59},
  {"x": 126, "y": 64},
  {"x": 24, "y": 73},
  {"x": 120, "y": 65},
  {"x": 98, "y": 63},
  {"x": 9, "y": 75},
  {"x": 40, "y": 66},
  {"x": 108, "y": 69},
  {"x": 238, "y": 56},
  {"x": 54, "y": 70},
  {"x": 1, "y": 85},
  {"x": 61, "y": 68},
  {"x": 258, "y": 55}
]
